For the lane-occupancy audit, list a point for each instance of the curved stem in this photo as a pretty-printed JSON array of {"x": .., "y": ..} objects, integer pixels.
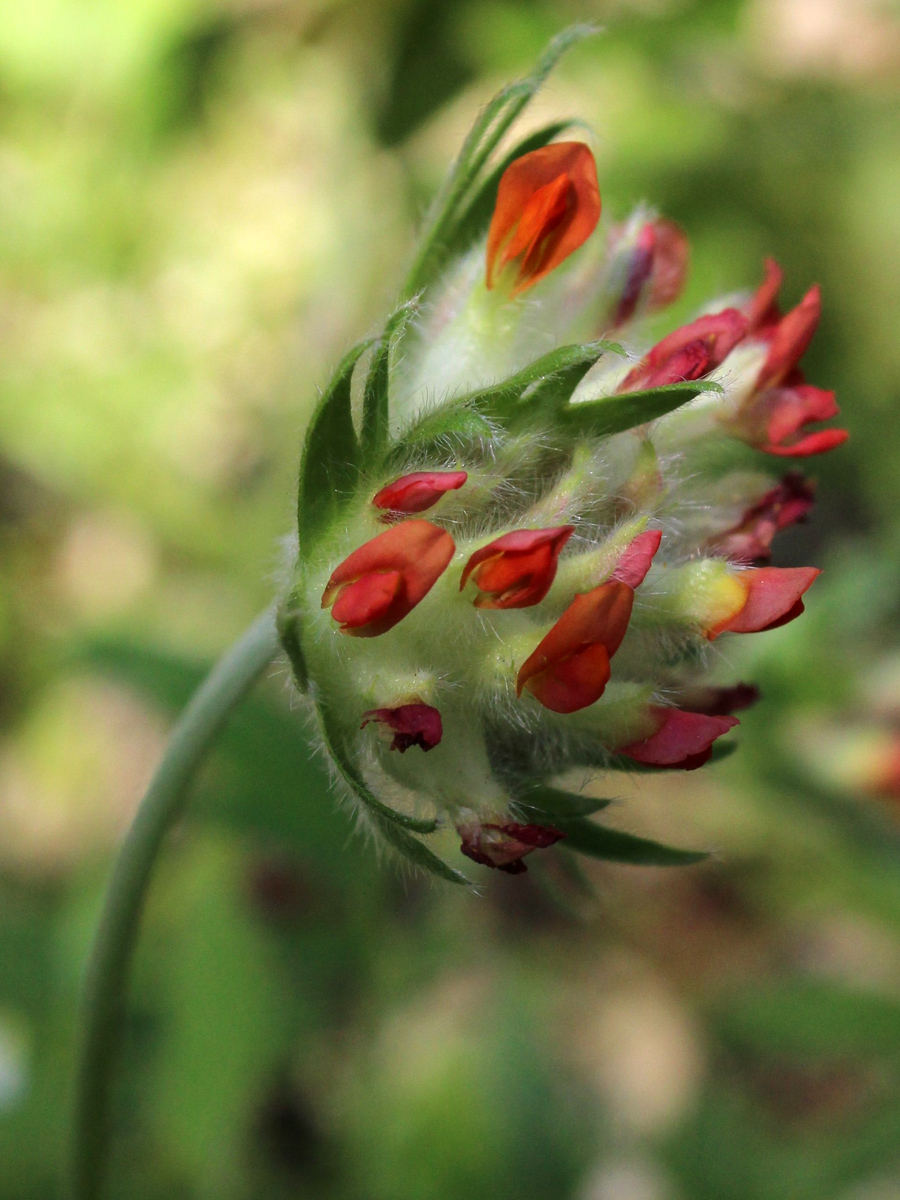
[{"x": 107, "y": 973}]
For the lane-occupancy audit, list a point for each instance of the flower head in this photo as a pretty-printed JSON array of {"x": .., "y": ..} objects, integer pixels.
[{"x": 560, "y": 611}]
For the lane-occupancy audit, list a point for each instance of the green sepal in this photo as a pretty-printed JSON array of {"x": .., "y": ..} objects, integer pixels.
[
  {"x": 397, "y": 828},
  {"x": 608, "y": 415},
  {"x": 615, "y": 846},
  {"x": 544, "y": 385},
  {"x": 492, "y": 123},
  {"x": 287, "y": 621},
  {"x": 473, "y": 222},
  {"x": 416, "y": 852},
  {"x": 331, "y": 462},
  {"x": 555, "y": 803},
  {"x": 376, "y": 405}
]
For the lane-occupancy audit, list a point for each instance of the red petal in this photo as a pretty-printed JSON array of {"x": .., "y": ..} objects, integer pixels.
[
  {"x": 773, "y": 598},
  {"x": 418, "y": 491},
  {"x": 670, "y": 264},
  {"x": 413, "y": 725},
  {"x": 416, "y": 550},
  {"x": 569, "y": 669},
  {"x": 683, "y": 739},
  {"x": 548, "y": 203},
  {"x": 813, "y": 443},
  {"x": 762, "y": 311},
  {"x": 688, "y": 352},
  {"x": 572, "y": 683},
  {"x": 791, "y": 338},
  {"x": 517, "y": 569},
  {"x": 367, "y": 600},
  {"x": 637, "y": 557}
]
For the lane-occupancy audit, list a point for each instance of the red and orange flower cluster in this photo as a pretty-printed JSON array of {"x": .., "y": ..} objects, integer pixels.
[{"x": 619, "y": 555}]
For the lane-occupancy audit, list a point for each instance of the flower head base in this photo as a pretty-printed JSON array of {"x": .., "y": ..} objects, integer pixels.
[
  {"x": 548, "y": 203},
  {"x": 582, "y": 559}
]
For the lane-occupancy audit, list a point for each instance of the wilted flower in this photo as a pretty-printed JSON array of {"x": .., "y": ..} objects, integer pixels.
[
  {"x": 646, "y": 267},
  {"x": 582, "y": 556}
]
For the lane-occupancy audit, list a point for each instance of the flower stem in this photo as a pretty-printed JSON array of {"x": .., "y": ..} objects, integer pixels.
[{"x": 103, "y": 1002}]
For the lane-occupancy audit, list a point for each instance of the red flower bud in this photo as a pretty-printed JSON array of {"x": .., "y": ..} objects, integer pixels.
[
  {"x": 773, "y": 599},
  {"x": 548, "y": 204},
  {"x": 386, "y": 578},
  {"x": 412, "y": 725},
  {"x": 517, "y": 569},
  {"x": 504, "y": 846},
  {"x": 418, "y": 491},
  {"x": 683, "y": 739},
  {"x": 570, "y": 667},
  {"x": 689, "y": 352},
  {"x": 656, "y": 270},
  {"x": 636, "y": 558},
  {"x": 751, "y": 539}
]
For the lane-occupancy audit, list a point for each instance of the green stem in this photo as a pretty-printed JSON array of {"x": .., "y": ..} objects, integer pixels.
[{"x": 107, "y": 974}]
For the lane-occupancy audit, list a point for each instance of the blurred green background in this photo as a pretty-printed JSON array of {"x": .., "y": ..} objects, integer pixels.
[{"x": 202, "y": 202}]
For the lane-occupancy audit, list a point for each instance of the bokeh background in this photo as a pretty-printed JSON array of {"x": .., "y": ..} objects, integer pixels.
[{"x": 202, "y": 203}]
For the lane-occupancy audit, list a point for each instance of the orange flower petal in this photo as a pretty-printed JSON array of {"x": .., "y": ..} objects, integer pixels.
[
  {"x": 517, "y": 569},
  {"x": 382, "y": 581},
  {"x": 773, "y": 599},
  {"x": 569, "y": 669},
  {"x": 548, "y": 204}
]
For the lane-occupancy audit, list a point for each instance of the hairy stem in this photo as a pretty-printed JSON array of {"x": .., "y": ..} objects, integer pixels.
[{"x": 107, "y": 973}]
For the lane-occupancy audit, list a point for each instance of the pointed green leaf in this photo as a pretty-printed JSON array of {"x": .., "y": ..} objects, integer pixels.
[
  {"x": 547, "y": 383},
  {"x": 615, "y": 414},
  {"x": 553, "y": 802},
  {"x": 376, "y": 407},
  {"x": 486, "y": 134},
  {"x": 329, "y": 468},
  {"x": 615, "y": 846},
  {"x": 417, "y": 852}
]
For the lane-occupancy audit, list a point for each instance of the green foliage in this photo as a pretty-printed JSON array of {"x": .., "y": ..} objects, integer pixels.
[
  {"x": 616, "y": 846},
  {"x": 195, "y": 223},
  {"x": 329, "y": 469}
]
